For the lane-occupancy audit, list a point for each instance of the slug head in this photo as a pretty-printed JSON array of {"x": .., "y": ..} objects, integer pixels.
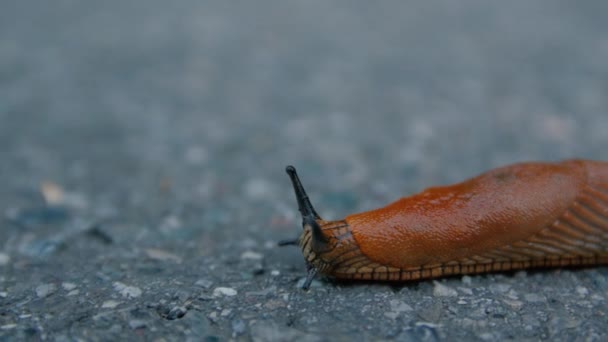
[{"x": 312, "y": 240}]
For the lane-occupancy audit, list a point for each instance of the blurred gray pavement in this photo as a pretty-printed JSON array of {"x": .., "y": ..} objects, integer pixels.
[{"x": 143, "y": 147}]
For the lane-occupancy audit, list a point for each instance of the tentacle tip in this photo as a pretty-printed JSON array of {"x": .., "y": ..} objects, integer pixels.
[{"x": 290, "y": 169}]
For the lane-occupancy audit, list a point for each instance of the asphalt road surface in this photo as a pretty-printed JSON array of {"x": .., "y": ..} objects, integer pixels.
[{"x": 143, "y": 147}]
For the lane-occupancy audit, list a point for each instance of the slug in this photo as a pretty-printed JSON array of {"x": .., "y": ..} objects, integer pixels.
[{"x": 515, "y": 217}]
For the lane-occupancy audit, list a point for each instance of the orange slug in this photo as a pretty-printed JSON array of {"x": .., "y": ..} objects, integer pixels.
[{"x": 514, "y": 217}]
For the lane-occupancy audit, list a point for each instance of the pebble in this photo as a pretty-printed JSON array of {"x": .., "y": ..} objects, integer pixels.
[
  {"x": 3, "y": 294},
  {"x": 213, "y": 317},
  {"x": 4, "y": 259},
  {"x": 500, "y": 288},
  {"x": 466, "y": 290},
  {"x": 397, "y": 307},
  {"x": 137, "y": 324},
  {"x": 431, "y": 312},
  {"x": 161, "y": 255},
  {"x": 582, "y": 291},
  {"x": 45, "y": 290},
  {"x": 8, "y": 326},
  {"x": 110, "y": 304},
  {"x": 534, "y": 298},
  {"x": 441, "y": 290},
  {"x": 275, "y": 273},
  {"x": 52, "y": 192},
  {"x": 513, "y": 295},
  {"x": 177, "y": 312},
  {"x": 267, "y": 292},
  {"x": 127, "y": 291},
  {"x": 252, "y": 255},
  {"x": 171, "y": 223},
  {"x": 68, "y": 286},
  {"x": 238, "y": 327},
  {"x": 514, "y": 304},
  {"x": 204, "y": 283},
  {"x": 224, "y": 291}
]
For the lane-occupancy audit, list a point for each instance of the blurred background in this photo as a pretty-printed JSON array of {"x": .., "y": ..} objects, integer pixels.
[{"x": 174, "y": 121}]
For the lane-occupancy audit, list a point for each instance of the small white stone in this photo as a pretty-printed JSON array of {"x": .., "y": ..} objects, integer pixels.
[
  {"x": 45, "y": 290},
  {"x": 513, "y": 295},
  {"x": 582, "y": 291},
  {"x": 68, "y": 286},
  {"x": 534, "y": 298},
  {"x": 127, "y": 291},
  {"x": 52, "y": 192},
  {"x": 110, "y": 304},
  {"x": 391, "y": 314},
  {"x": 500, "y": 288},
  {"x": 213, "y": 317},
  {"x": 441, "y": 290},
  {"x": 73, "y": 293},
  {"x": 224, "y": 291},
  {"x": 251, "y": 255},
  {"x": 137, "y": 324},
  {"x": 466, "y": 290},
  {"x": 275, "y": 273},
  {"x": 204, "y": 283},
  {"x": 161, "y": 255},
  {"x": 4, "y": 259},
  {"x": 171, "y": 223},
  {"x": 8, "y": 326},
  {"x": 597, "y": 297},
  {"x": 3, "y": 294},
  {"x": 397, "y": 307},
  {"x": 514, "y": 304},
  {"x": 226, "y": 312},
  {"x": 25, "y": 316}
]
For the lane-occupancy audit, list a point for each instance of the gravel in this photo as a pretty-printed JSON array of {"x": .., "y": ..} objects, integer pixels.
[{"x": 143, "y": 147}]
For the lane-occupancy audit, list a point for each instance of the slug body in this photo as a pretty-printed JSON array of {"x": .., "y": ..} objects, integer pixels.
[{"x": 519, "y": 216}]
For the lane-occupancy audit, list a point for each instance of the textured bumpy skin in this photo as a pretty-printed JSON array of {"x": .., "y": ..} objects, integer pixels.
[{"x": 519, "y": 216}]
